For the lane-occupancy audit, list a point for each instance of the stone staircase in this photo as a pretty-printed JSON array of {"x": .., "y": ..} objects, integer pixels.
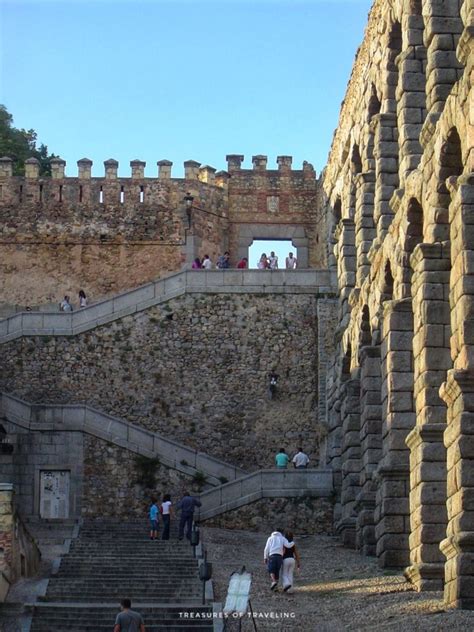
[
  {"x": 315, "y": 282},
  {"x": 111, "y": 560}
]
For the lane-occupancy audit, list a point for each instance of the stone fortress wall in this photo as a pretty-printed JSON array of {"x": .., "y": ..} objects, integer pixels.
[
  {"x": 400, "y": 190},
  {"x": 56, "y": 233}
]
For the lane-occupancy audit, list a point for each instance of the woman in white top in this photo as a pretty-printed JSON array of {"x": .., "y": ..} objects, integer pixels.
[
  {"x": 82, "y": 298},
  {"x": 166, "y": 515},
  {"x": 263, "y": 263}
]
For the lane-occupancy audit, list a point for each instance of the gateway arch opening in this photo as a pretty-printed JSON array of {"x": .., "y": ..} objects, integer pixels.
[{"x": 281, "y": 248}]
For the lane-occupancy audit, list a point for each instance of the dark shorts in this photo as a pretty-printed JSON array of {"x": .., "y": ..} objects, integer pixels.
[
  {"x": 274, "y": 565},
  {"x": 154, "y": 525}
]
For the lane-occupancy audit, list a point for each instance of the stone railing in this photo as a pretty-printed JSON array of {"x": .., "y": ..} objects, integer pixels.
[
  {"x": 265, "y": 484},
  {"x": 191, "y": 281},
  {"x": 83, "y": 418}
]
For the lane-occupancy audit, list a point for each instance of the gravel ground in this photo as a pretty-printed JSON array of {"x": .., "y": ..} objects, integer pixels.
[{"x": 337, "y": 589}]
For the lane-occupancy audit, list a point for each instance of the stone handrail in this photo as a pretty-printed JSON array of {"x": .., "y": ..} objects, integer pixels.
[
  {"x": 122, "y": 433},
  {"x": 265, "y": 484},
  {"x": 161, "y": 290}
]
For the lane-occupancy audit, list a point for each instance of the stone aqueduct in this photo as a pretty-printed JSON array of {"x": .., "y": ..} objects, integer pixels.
[
  {"x": 401, "y": 191},
  {"x": 391, "y": 216}
]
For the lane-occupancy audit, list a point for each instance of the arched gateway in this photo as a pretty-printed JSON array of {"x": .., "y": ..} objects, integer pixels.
[{"x": 248, "y": 233}]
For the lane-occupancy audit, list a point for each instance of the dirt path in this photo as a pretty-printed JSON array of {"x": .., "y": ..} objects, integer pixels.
[{"x": 337, "y": 589}]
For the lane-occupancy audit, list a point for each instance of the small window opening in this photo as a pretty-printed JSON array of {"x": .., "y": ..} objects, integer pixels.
[
  {"x": 40, "y": 192},
  {"x": 1, "y": 192},
  {"x": 142, "y": 195},
  {"x": 101, "y": 196},
  {"x": 60, "y": 192},
  {"x": 20, "y": 194},
  {"x": 122, "y": 195},
  {"x": 80, "y": 193}
]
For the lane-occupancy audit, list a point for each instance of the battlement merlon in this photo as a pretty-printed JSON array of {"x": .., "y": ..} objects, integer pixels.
[
  {"x": 164, "y": 169},
  {"x": 234, "y": 162},
  {"x": 6, "y": 167},
  {"x": 259, "y": 162},
  {"x": 32, "y": 168},
  {"x": 84, "y": 167},
  {"x": 207, "y": 174},
  {"x": 58, "y": 166},
  {"x": 191, "y": 170},
  {"x": 138, "y": 169}
]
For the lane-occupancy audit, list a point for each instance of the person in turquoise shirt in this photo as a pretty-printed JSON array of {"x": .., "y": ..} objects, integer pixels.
[{"x": 281, "y": 459}]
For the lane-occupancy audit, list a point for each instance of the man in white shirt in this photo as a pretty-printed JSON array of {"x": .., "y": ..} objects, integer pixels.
[
  {"x": 300, "y": 459},
  {"x": 290, "y": 262},
  {"x": 206, "y": 263},
  {"x": 273, "y": 261},
  {"x": 273, "y": 555}
]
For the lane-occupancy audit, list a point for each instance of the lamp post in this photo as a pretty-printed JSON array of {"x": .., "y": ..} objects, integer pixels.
[{"x": 188, "y": 200}]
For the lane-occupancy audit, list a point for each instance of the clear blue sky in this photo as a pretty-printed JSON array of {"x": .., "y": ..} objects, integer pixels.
[{"x": 154, "y": 79}]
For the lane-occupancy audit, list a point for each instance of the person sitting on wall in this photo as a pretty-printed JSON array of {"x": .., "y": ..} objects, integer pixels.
[
  {"x": 65, "y": 305},
  {"x": 243, "y": 263}
]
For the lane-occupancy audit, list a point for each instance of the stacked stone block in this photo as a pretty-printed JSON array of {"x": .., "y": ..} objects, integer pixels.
[
  {"x": 350, "y": 459},
  {"x": 411, "y": 96},
  {"x": 364, "y": 221},
  {"x": 370, "y": 446},
  {"x": 458, "y": 392},
  {"x": 443, "y": 26},
  {"x": 398, "y": 418},
  {"x": 430, "y": 288},
  {"x": 386, "y": 161}
]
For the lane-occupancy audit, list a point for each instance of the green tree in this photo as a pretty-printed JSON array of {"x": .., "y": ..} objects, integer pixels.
[{"x": 20, "y": 144}]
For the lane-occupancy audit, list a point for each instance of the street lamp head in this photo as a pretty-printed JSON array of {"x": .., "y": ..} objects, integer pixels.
[{"x": 188, "y": 199}]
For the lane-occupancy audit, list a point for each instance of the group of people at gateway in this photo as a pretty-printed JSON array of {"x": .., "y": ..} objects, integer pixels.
[{"x": 264, "y": 263}]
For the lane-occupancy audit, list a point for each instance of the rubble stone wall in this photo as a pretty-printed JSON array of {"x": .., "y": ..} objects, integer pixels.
[{"x": 195, "y": 370}]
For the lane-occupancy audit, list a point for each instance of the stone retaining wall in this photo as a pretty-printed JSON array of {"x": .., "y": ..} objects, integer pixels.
[{"x": 181, "y": 370}]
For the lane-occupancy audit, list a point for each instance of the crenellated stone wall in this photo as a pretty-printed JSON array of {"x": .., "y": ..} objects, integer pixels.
[
  {"x": 399, "y": 189},
  {"x": 55, "y": 233}
]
